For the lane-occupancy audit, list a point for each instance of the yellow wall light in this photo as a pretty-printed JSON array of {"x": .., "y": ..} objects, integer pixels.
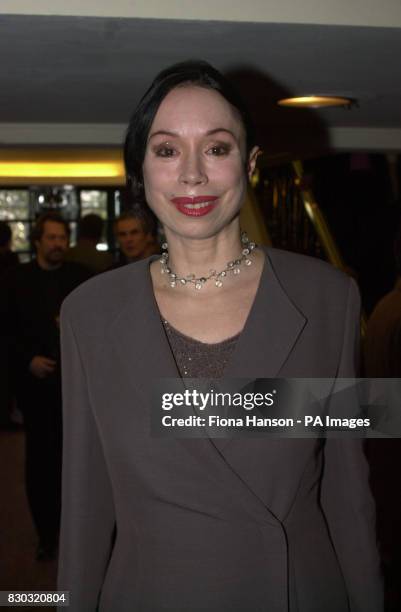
[{"x": 61, "y": 170}]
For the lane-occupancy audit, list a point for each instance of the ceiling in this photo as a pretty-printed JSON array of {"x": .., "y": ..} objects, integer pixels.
[{"x": 76, "y": 79}]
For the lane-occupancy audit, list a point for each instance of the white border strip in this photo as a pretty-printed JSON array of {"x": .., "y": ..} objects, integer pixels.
[{"x": 386, "y": 13}]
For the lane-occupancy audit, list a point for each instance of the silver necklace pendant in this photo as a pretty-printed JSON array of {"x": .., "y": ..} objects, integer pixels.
[{"x": 231, "y": 266}]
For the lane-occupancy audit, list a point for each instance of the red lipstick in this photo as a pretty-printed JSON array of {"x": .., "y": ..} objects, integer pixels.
[{"x": 197, "y": 206}]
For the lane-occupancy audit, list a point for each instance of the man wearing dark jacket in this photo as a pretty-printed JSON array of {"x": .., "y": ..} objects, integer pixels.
[
  {"x": 8, "y": 259},
  {"x": 34, "y": 293}
]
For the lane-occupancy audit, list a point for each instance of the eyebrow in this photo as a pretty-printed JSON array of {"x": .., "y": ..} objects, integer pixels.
[{"x": 209, "y": 133}]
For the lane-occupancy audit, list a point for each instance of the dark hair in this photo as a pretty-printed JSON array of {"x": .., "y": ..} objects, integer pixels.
[
  {"x": 195, "y": 72},
  {"x": 144, "y": 215},
  {"x": 5, "y": 234},
  {"x": 90, "y": 226},
  {"x": 39, "y": 227}
]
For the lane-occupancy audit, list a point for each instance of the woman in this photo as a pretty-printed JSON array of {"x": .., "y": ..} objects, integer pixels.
[{"x": 152, "y": 524}]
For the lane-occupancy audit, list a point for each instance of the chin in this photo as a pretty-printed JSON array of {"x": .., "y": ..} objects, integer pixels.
[{"x": 201, "y": 230}]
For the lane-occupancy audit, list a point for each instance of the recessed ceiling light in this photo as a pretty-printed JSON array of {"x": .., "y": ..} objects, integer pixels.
[{"x": 316, "y": 101}]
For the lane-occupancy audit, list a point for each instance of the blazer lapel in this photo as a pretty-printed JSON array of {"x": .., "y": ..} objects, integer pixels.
[{"x": 271, "y": 330}]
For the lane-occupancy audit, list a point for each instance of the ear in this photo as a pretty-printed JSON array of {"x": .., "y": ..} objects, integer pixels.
[{"x": 253, "y": 156}]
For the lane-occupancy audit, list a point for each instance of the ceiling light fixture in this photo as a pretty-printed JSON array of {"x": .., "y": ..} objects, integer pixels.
[{"x": 317, "y": 102}]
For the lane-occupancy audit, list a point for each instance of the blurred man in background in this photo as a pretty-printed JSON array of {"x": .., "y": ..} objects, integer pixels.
[
  {"x": 30, "y": 328},
  {"x": 8, "y": 260},
  {"x": 136, "y": 234}
]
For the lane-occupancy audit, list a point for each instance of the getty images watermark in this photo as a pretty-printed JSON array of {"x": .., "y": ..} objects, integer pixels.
[{"x": 349, "y": 407}]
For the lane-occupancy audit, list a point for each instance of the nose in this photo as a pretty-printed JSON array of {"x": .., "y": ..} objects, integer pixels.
[{"x": 192, "y": 171}]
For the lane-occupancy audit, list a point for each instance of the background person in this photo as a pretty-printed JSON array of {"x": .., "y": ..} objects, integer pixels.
[
  {"x": 136, "y": 234},
  {"x": 33, "y": 295},
  {"x": 90, "y": 230},
  {"x": 382, "y": 351},
  {"x": 8, "y": 258}
]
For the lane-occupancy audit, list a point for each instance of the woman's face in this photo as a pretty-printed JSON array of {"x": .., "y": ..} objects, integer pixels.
[{"x": 195, "y": 167}]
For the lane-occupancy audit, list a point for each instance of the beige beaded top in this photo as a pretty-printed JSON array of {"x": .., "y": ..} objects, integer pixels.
[{"x": 196, "y": 359}]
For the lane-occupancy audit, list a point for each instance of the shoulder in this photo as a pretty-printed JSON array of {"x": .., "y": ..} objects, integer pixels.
[
  {"x": 312, "y": 283},
  {"x": 294, "y": 267},
  {"x": 102, "y": 297},
  {"x": 388, "y": 309},
  {"x": 305, "y": 273},
  {"x": 21, "y": 271},
  {"x": 390, "y": 301}
]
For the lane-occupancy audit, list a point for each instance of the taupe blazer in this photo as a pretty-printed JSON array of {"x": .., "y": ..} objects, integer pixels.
[{"x": 187, "y": 525}]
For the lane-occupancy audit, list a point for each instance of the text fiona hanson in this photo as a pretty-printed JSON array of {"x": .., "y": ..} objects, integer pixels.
[{"x": 254, "y": 421}]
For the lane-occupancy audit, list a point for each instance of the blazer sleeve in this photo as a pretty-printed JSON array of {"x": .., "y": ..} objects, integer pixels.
[
  {"x": 87, "y": 517},
  {"x": 345, "y": 494}
]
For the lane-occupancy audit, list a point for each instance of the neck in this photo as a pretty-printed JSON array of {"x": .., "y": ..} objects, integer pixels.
[
  {"x": 199, "y": 256},
  {"x": 46, "y": 265}
]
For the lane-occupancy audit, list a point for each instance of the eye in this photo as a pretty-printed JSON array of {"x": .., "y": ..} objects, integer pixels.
[
  {"x": 219, "y": 150},
  {"x": 164, "y": 151}
]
